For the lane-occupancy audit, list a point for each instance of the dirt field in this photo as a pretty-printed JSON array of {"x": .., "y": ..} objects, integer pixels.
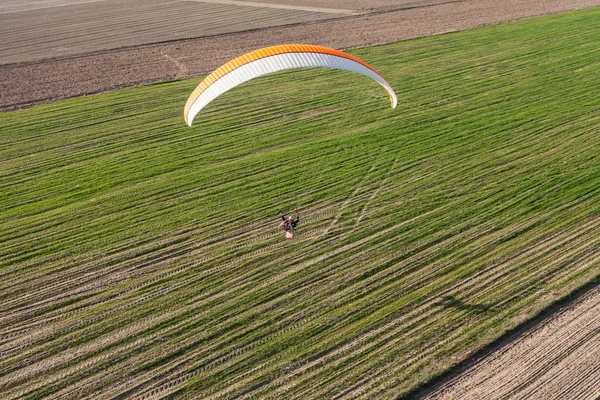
[
  {"x": 84, "y": 28},
  {"x": 28, "y": 84},
  {"x": 559, "y": 359},
  {"x": 569, "y": 341},
  {"x": 10, "y": 6},
  {"x": 373, "y": 5}
]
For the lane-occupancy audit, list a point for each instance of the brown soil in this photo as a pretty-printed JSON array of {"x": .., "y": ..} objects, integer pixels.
[
  {"x": 71, "y": 30},
  {"x": 363, "y": 5},
  {"x": 27, "y": 84},
  {"x": 556, "y": 359}
]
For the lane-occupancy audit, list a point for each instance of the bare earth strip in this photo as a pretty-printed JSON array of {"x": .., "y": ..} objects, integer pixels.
[
  {"x": 371, "y": 5},
  {"x": 28, "y": 84},
  {"x": 559, "y": 359},
  {"x": 292, "y": 6},
  {"x": 11, "y": 6}
]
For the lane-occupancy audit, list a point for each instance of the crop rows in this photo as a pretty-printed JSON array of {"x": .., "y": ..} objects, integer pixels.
[
  {"x": 73, "y": 29},
  {"x": 558, "y": 359},
  {"x": 140, "y": 258}
]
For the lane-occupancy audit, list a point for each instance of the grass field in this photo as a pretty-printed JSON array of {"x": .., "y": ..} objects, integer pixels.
[{"x": 140, "y": 258}]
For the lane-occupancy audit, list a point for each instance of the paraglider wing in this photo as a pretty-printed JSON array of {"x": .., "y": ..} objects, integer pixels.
[{"x": 273, "y": 59}]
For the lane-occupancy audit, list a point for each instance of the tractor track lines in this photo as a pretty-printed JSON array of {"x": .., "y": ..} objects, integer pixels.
[
  {"x": 143, "y": 259},
  {"x": 181, "y": 379},
  {"x": 308, "y": 219},
  {"x": 375, "y": 193},
  {"x": 170, "y": 385}
]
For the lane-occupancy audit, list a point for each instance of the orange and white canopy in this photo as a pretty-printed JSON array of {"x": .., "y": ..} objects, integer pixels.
[{"x": 272, "y": 59}]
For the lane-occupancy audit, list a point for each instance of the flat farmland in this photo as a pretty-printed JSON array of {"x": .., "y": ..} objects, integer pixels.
[
  {"x": 140, "y": 258},
  {"x": 63, "y": 29},
  {"x": 558, "y": 359},
  {"x": 10, "y": 6},
  {"x": 23, "y": 85},
  {"x": 358, "y": 5}
]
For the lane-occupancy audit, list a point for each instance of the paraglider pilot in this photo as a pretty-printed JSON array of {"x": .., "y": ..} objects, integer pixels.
[{"x": 289, "y": 225}]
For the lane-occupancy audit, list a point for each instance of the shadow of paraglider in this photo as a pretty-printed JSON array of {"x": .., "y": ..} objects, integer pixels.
[{"x": 451, "y": 301}]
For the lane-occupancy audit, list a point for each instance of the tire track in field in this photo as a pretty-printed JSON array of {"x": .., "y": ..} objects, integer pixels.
[
  {"x": 347, "y": 202},
  {"x": 259, "y": 251},
  {"x": 363, "y": 210},
  {"x": 455, "y": 288},
  {"x": 220, "y": 268},
  {"x": 167, "y": 384}
]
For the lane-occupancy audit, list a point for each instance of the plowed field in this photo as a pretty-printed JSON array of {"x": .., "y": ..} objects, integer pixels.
[
  {"x": 24, "y": 85},
  {"x": 560, "y": 359},
  {"x": 362, "y": 5},
  {"x": 84, "y": 28}
]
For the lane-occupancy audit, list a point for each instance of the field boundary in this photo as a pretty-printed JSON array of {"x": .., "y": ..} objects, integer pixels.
[
  {"x": 562, "y": 304},
  {"x": 116, "y": 69},
  {"x": 283, "y": 6}
]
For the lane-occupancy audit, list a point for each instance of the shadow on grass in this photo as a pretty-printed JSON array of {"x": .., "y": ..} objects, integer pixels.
[{"x": 452, "y": 302}]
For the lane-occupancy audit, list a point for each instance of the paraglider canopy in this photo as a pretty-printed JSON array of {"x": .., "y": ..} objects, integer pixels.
[{"x": 272, "y": 59}]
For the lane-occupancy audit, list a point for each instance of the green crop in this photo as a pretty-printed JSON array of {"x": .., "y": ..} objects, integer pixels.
[{"x": 138, "y": 254}]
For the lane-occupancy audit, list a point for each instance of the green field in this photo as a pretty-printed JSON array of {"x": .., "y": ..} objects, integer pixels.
[{"x": 140, "y": 258}]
